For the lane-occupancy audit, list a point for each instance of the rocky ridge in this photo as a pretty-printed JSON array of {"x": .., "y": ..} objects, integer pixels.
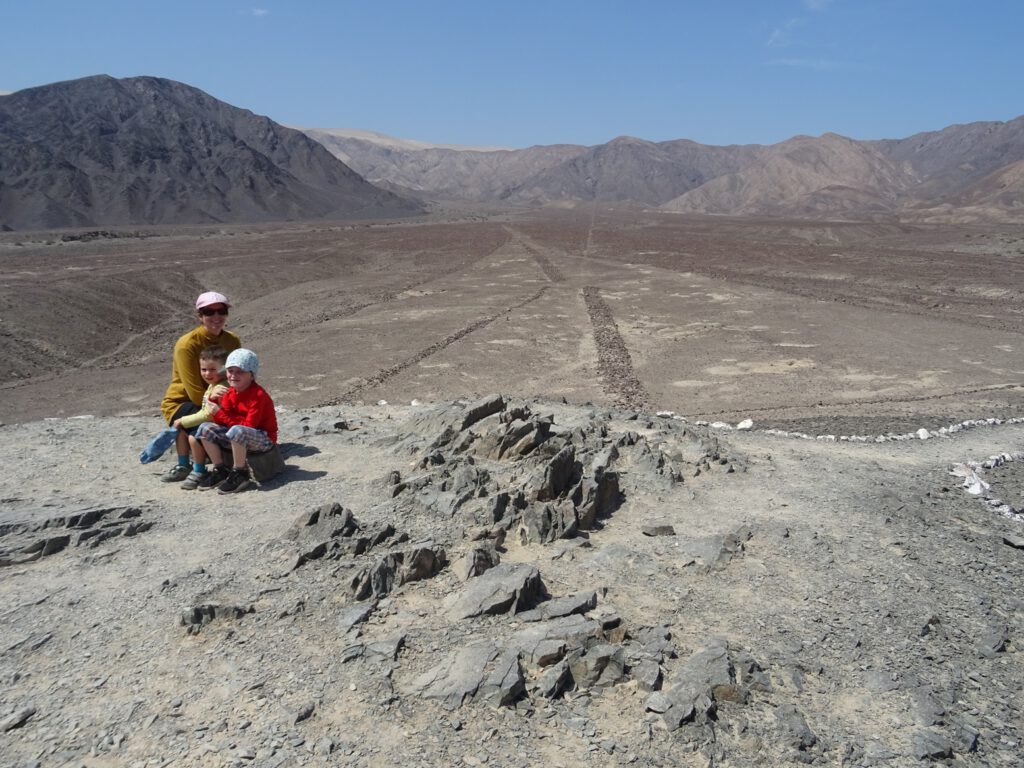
[{"x": 510, "y": 582}]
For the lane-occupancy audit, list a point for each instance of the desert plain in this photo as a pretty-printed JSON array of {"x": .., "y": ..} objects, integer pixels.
[{"x": 814, "y": 587}]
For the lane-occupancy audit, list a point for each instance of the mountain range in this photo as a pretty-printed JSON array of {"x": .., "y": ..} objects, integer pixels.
[
  {"x": 145, "y": 150},
  {"x": 972, "y": 172}
]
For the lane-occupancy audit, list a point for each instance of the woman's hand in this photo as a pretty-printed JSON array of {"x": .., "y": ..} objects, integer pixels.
[{"x": 176, "y": 424}]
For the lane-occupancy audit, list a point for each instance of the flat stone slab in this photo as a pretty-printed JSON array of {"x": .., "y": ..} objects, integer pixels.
[{"x": 506, "y": 588}]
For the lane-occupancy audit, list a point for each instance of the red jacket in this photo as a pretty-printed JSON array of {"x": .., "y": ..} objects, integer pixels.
[{"x": 251, "y": 408}]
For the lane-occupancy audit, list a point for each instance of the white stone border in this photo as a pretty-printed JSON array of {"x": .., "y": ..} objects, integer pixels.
[
  {"x": 974, "y": 482},
  {"x": 921, "y": 434},
  {"x": 970, "y": 471}
]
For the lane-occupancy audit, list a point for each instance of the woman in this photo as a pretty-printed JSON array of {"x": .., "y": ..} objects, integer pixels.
[{"x": 184, "y": 394}]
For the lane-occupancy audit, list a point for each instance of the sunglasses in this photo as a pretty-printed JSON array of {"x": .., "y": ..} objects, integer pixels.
[{"x": 207, "y": 312}]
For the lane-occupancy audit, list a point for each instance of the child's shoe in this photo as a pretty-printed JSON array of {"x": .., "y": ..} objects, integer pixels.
[
  {"x": 176, "y": 474},
  {"x": 237, "y": 481},
  {"x": 192, "y": 481},
  {"x": 213, "y": 477}
]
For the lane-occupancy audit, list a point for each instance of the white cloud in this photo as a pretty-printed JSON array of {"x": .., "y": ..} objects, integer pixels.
[
  {"x": 781, "y": 36},
  {"x": 817, "y": 5},
  {"x": 260, "y": 12},
  {"x": 6, "y": 93}
]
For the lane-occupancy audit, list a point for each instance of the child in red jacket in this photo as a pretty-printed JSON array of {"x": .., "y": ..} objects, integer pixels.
[{"x": 243, "y": 420}]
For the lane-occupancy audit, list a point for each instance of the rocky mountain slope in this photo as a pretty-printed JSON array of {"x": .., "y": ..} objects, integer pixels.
[
  {"x": 442, "y": 172},
  {"x": 806, "y": 176},
  {"x": 143, "y": 150},
  {"x": 956, "y": 173}
]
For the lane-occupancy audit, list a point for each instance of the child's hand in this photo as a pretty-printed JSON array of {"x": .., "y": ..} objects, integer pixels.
[
  {"x": 219, "y": 390},
  {"x": 176, "y": 424},
  {"x": 213, "y": 407}
]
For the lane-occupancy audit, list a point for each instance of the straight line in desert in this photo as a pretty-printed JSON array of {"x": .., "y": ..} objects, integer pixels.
[
  {"x": 390, "y": 372},
  {"x": 614, "y": 363}
]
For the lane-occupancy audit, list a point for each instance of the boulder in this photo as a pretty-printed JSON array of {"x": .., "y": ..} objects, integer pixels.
[
  {"x": 481, "y": 410},
  {"x": 581, "y": 602},
  {"x": 475, "y": 562},
  {"x": 396, "y": 568},
  {"x": 506, "y": 588}
]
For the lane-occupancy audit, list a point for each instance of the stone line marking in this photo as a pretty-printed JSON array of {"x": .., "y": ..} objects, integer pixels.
[
  {"x": 972, "y": 474},
  {"x": 387, "y": 373},
  {"x": 613, "y": 361},
  {"x": 551, "y": 272}
]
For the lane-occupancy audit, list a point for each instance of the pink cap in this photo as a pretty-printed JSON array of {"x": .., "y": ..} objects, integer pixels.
[{"x": 211, "y": 297}]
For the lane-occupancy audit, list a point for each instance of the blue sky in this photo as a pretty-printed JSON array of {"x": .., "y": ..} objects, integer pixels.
[{"x": 572, "y": 71}]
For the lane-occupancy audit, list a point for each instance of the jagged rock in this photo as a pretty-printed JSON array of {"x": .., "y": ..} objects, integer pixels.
[
  {"x": 658, "y": 530},
  {"x": 200, "y": 615},
  {"x": 540, "y": 642},
  {"x": 304, "y": 712},
  {"x": 482, "y": 409},
  {"x": 658, "y": 702},
  {"x": 794, "y": 729},
  {"x": 475, "y": 562},
  {"x": 597, "y": 666},
  {"x": 16, "y": 719},
  {"x": 526, "y": 444},
  {"x": 324, "y": 747},
  {"x": 647, "y": 675},
  {"x": 598, "y": 495},
  {"x": 386, "y": 649},
  {"x": 459, "y": 677},
  {"x": 327, "y": 521},
  {"x": 396, "y": 568},
  {"x": 493, "y": 534},
  {"x": 561, "y": 606},
  {"x": 552, "y": 682},
  {"x": 965, "y": 737},
  {"x": 559, "y": 475},
  {"x": 931, "y": 745},
  {"x": 544, "y": 523},
  {"x": 547, "y": 652},
  {"x": 343, "y": 541},
  {"x": 994, "y": 641},
  {"x": 351, "y": 617},
  {"x": 352, "y": 652},
  {"x": 749, "y": 674},
  {"x": 51, "y": 545},
  {"x": 504, "y": 683},
  {"x": 506, "y": 588},
  {"x": 705, "y": 677}
]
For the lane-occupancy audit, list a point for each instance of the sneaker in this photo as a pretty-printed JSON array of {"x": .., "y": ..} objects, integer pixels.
[
  {"x": 212, "y": 478},
  {"x": 192, "y": 481},
  {"x": 176, "y": 474},
  {"x": 237, "y": 481}
]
